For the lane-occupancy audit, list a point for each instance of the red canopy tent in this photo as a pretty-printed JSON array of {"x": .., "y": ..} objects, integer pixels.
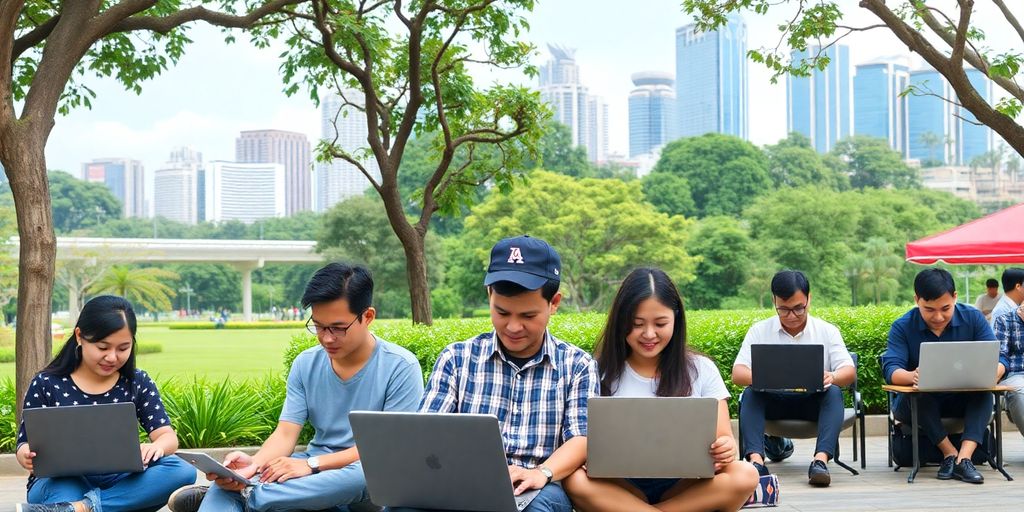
[{"x": 996, "y": 239}]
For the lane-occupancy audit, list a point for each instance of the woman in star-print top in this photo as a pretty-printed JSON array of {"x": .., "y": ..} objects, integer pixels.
[{"x": 97, "y": 366}]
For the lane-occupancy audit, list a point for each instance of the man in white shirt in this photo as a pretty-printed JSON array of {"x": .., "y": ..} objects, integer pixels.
[
  {"x": 989, "y": 299},
  {"x": 791, "y": 294},
  {"x": 1013, "y": 293}
]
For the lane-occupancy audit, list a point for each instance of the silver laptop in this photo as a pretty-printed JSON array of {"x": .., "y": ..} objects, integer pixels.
[
  {"x": 661, "y": 437},
  {"x": 435, "y": 461},
  {"x": 946, "y": 365},
  {"x": 84, "y": 440}
]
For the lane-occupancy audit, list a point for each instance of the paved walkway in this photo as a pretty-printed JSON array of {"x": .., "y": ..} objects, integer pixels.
[{"x": 877, "y": 487}]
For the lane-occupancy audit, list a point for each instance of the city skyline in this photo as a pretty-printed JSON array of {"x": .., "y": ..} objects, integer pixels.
[
  {"x": 820, "y": 106},
  {"x": 175, "y": 109}
]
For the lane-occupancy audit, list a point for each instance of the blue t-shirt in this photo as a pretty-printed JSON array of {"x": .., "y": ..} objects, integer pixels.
[
  {"x": 903, "y": 350},
  {"x": 391, "y": 380},
  {"x": 50, "y": 390}
]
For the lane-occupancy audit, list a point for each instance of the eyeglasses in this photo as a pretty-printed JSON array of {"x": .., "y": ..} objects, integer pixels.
[
  {"x": 335, "y": 331},
  {"x": 797, "y": 311}
]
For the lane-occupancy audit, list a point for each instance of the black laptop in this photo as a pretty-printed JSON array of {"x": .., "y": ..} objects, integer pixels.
[{"x": 787, "y": 367}]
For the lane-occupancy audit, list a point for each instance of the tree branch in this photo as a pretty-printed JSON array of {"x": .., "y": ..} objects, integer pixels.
[
  {"x": 164, "y": 24},
  {"x": 956, "y": 59},
  {"x": 34, "y": 37},
  {"x": 1010, "y": 18},
  {"x": 348, "y": 158}
]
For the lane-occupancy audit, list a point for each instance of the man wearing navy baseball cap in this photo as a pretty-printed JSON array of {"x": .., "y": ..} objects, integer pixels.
[{"x": 536, "y": 384}]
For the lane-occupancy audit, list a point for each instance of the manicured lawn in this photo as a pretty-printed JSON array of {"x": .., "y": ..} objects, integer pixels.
[{"x": 213, "y": 354}]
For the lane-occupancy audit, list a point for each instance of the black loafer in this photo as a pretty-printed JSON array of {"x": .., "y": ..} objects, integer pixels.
[
  {"x": 946, "y": 468},
  {"x": 817, "y": 474},
  {"x": 966, "y": 472}
]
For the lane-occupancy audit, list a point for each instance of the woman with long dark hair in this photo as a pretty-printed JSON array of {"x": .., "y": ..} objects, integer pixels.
[
  {"x": 642, "y": 352},
  {"x": 97, "y": 366}
]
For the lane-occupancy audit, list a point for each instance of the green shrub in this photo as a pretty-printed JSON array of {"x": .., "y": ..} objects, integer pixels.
[
  {"x": 236, "y": 325},
  {"x": 149, "y": 348},
  {"x": 7, "y": 354},
  {"x": 8, "y": 426},
  {"x": 718, "y": 334},
  {"x": 226, "y": 413}
]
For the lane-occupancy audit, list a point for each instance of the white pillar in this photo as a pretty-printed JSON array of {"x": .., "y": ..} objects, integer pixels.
[{"x": 247, "y": 294}]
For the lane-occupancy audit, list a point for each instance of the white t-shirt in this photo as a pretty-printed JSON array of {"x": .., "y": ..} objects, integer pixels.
[
  {"x": 816, "y": 332},
  {"x": 707, "y": 383}
]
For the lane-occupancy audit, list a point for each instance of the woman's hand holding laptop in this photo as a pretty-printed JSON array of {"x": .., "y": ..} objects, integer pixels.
[
  {"x": 151, "y": 452},
  {"x": 25, "y": 456},
  {"x": 723, "y": 451}
]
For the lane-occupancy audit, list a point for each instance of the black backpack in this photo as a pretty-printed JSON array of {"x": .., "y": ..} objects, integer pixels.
[{"x": 903, "y": 447}]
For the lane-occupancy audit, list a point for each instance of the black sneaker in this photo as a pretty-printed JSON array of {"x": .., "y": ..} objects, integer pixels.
[
  {"x": 762, "y": 470},
  {"x": 946, "y": 468},
  {"x": 187, "y": 499},
  {"x": 966, "y": 472},
  {"x": 817, "y": 474},
  {"x": 777, "y": 449},
  {"x": 52, "y": 507}
]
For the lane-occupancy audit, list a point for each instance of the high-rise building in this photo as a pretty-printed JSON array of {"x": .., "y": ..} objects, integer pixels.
[
  {"x": 345, "y": 126},
  {"x": 819, "y": 106},
  {"x": 125, "y": 179},
  {"x": 711, "y": 80},
  {"x": 584, "y": 114},
  {"x": 880, "y": 107},
  {"x": 179, "y": 188},
  {"x": 289, "y": 149},
  {"x": 243, "y": 192},
  {"x": 941, "y": 131},
  {"x": 652, "y": 109}
]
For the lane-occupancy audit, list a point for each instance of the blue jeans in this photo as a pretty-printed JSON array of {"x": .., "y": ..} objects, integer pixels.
[
  {"x": 333, "y": 489},
  {"x": 826, "y": 408},
  {"x": 550, "y": 499},
  {"x": 120, "y": 492}
]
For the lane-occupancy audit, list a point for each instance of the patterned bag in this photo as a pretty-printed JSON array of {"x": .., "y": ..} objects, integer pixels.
[{"x": 766, "y": 494}]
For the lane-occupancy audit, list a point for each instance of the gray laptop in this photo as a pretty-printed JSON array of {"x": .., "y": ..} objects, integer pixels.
[
  {"x": 661, "y": 437},
  {"x": 957, "y": 365},
  {"x": 435, "y": 461},
  {"x": 84, "y": 440}
]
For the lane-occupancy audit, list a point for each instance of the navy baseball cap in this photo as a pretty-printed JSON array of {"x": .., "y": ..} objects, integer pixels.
[{"x": 524, "y": 260}]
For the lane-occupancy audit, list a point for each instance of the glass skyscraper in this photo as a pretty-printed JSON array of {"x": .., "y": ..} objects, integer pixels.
[
  {"x": 819, "y": 106},
  {"x": 652, "y": 108},
  {"x": 711, "y": 80},
  {"x": 586, "y": 115},
  {"x": 880, "y": 110},
  {"x": 941, "y": 131}
]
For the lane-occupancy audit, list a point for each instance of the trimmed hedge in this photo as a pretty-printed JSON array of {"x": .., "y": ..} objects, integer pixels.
[
  {"x": 235, "y": 325},
  {"x": 718, "y": 334},
  {"x": 7, "y": 354}
]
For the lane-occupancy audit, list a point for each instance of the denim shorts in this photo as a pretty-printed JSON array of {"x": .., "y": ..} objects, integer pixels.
[{"x": 653, "y": 488}]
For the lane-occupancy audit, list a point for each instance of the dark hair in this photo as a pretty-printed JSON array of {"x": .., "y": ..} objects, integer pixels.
[
  {"x": 675, "y": 363},
  {"x": 932, "y": 283},
  {"x": 100, "y": 317},
  {"x": 510, "y": 289},
  {"x": 991, "y": 283},
  {"x": 1012, "y": 277},
  {"x": 786, "y": 283},
  {"x": 340, "y": 281}
]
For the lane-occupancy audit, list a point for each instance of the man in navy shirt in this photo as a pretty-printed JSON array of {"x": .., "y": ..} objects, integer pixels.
[{"x": 938, "y": 317}]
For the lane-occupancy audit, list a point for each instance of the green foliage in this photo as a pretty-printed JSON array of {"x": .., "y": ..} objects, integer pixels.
[
  {"x": 600, "y": 227},
  {"x": 669, "y": 193},
  {"x": 725, "y": 249},
  {"x": 794, "y": 163},
  {"x": 557, "y": 153},
  {"x": 226, "y": 413},
  {"x": 723, "y": 172},
  {"x": 79, "y": 204},
  {"x": 195, "y": 326},
  {"x": 872, "y": 163},
  {"x": 8, "y": 423},
  {"x": 144, "y": 287}
]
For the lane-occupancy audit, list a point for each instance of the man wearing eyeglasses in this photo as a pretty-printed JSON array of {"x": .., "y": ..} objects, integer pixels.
[
  {"x": 350, "y": 369},
  {"x": 793, "y": 324}
]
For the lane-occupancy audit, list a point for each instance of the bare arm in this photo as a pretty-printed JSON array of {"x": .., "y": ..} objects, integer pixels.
[
  {"x": 280, "y": 444},
  {"x": 741, "y": 375},
  {"x": 844, "y": 376}
]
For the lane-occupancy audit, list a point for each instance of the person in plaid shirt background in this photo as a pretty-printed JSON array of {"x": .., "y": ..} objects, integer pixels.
[
  {"x": 1009, "y": 330},
  {"x": 536, "y": 384}
]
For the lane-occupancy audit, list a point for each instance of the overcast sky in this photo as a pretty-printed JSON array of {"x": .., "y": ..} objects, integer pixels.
[{"x": 218, "y": 89}]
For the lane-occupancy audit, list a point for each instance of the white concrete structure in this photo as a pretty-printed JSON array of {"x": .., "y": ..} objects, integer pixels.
[
  {"x": 124, "y": 177},
  {"x": 244, "y": 192},
  {"x": 290, "y": 149}
]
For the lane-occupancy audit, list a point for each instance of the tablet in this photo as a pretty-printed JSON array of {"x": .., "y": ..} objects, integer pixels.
[{"x": 207, "y": 464}]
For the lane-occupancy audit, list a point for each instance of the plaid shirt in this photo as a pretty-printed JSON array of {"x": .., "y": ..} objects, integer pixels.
[
  {"x": 539, "y": 406},
  {"x": 1009, "y": 329}
]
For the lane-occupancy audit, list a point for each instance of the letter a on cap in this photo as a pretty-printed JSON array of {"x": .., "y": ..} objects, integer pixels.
[{"x": 515, "y": 256}]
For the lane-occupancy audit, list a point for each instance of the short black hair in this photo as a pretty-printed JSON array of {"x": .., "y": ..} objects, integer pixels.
[
  {"x": 991, "y": 283},
  {"x": 932, "y": 283},
  {"x": 510, "y": 289},
  {"x": 340, "y": 281},
  {"x": 1012, "y": 277},
  {"x": 786, "y": 283}
]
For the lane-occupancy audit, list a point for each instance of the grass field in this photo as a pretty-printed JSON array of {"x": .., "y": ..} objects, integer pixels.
[{"x": 214, "y": 354}]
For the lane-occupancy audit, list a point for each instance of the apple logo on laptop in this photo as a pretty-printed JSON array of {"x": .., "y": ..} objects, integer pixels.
[
  {"x": 958, "y": 366},
  {"x": 433, "y": 462}
]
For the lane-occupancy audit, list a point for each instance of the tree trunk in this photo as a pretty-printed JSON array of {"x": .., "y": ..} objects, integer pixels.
[
  {"x": 25, "y": 164},
  {"x": 419, "y": 288}
]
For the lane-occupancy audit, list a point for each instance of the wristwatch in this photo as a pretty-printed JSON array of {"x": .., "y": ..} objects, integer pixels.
[
  {"x": 314, "y": 464},
  {"x": 547, "y": 472}
]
